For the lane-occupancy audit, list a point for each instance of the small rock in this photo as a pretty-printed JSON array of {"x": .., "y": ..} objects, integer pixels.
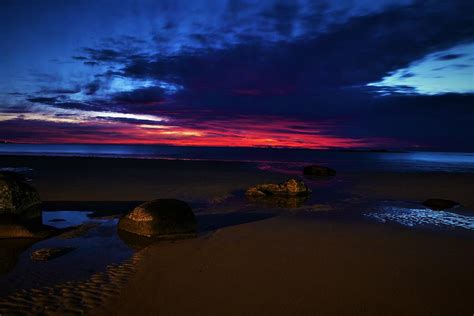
[
  {"x": 291, "y": 187},
  {"x": 439, "y": 204},
  {"x": 47, "y": 254},
  {"x": 163, "y": 218},
  {"x": 57, "y": 220},
  {"x": 318, "y": 171}
]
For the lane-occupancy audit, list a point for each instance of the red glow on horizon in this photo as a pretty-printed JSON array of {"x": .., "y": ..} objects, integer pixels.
[{"x": 236, "y": 132}]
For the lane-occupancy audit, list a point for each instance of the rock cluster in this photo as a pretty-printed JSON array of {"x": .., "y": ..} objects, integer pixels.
[{"x": 291, "y": 187}]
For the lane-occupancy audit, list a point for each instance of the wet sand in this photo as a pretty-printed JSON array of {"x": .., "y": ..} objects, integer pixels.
[
  {"x": 120, "y": 179},
  {"x": 415, "y": 186},
  {"x": 285, "y": 263},
  {"x": 300, "y": 266}
]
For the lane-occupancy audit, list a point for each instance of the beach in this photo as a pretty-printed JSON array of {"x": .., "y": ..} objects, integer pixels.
[{"x": 362, "y": 244}]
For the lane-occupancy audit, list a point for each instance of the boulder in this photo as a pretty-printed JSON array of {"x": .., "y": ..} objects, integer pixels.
[
  {"x": 291, "y": 187},
  {"x": 20, "y": 209},
  {"x": 439, "y": 204},
  {"x": 318, "y": 171},
  {"x": 18, "y": 197},
  {"x": 162, "y": 218}
]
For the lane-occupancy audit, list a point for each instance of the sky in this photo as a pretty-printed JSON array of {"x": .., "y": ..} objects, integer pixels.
[{"x": 282, "y": 73}]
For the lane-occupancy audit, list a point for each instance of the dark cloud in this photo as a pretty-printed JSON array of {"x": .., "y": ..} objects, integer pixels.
[
  {"x": 92, "y": 87},
  {"x": 103, "y": 55},
  {"x": 450, "y": 56},
  {"x": 408, "y": 75},
  {"x": 283, "y": 14},
  {"x": 91, "y": 63},
  {"x": 140, "y": 96},
  {"x": 44, "y": 100},
  {"x": 59, "y": 90}
]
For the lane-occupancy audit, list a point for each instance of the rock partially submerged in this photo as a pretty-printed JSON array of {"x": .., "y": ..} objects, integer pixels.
[
  {"x": 18, "y": 197},
  {"x": 318, "y": 171},
  {"x": 289, "y": 188},
  {"x": 47, "y": 254},
  {"x": 162, "y": 218},
  {"x": 440, "y": 204},
  {"x": 20, "y": 209}
]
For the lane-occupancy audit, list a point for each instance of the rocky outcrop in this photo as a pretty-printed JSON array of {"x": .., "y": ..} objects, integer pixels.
[
  {"x": 162, "y": 218},
  {"x": 291, "y": 187},
  {"x": 318, "y": 171},
  {"x": 440, "y": 204}
]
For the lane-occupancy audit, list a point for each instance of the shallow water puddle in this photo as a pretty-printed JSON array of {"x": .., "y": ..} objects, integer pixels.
[
  {"x": 63, "y": 219},
  {"x": 95, "y": 248},
  {"x": 419, "y": 217}
]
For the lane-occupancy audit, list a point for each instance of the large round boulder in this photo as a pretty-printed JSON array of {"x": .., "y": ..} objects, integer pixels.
[
  {"x": 318, "y": 171},
  {"x": 20, "y": 209},
  {"x": 18, "y": 197},
  {"x": 291, "y": 187},
  {"x": 163, "y": 218},
  {"x": 439, "y": 204}
]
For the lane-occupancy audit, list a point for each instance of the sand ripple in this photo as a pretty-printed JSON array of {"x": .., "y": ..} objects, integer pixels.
[{"x": 71, "y": 298}]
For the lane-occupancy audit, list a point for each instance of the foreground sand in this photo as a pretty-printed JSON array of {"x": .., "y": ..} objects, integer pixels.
[{"x": 290, "y": 265}]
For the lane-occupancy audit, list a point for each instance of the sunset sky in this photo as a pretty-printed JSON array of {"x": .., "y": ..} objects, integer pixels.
[{"x": 296, "y": 73}]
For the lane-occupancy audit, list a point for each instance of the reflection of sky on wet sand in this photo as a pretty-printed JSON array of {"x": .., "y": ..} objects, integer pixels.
[
  {"x": 93, "y": 251},
  {"x": 421, "y": 217}
]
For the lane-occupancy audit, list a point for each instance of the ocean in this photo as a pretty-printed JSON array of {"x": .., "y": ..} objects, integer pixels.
[{"x": 409, "y": 161}]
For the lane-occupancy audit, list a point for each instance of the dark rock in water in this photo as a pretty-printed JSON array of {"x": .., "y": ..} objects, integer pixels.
[
  {"x": 291, "y": 187},
  {"x": 163, "y": 218},
  {"x": 18, "y": 197},
  {"x": 47, "y": 254},
  {"x": 318, "y": 171},
  {"x": 439, "y": 204}
]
